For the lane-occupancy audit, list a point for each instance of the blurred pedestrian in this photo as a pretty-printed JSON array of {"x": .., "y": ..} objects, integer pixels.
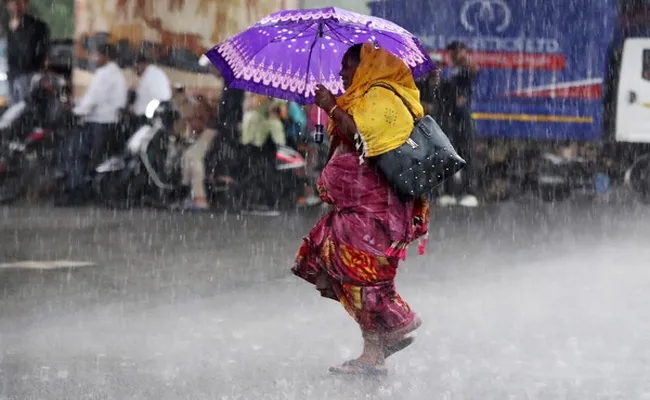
[
  {"x": 295, "y": 122},
  {"x": 262, "y": 133},
  {"x": 456, "y": 121},
  {"x": 262, "y": 121},
  {"x": 193, "y": 158},
  {"x": 430, "y": 93},
  {"x": 27, "y": 47},
  {"x": 152, "y": 85},
  {"x": 229, "y": 116},
  {"x": 227, "y": 160},
  {"x": 100, "y": 109},
  {"x": 184, "y": 103}
]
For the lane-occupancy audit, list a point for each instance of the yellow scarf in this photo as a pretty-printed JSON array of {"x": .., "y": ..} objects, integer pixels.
[{"x": 383, "y": 122}]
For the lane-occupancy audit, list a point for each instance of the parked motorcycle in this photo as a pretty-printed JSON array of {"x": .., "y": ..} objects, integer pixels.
[
  {"x": 31, "y": 132},
  {"x": 288, "y": 179},
  {"x": 140, "y": 176},
  {"x": 557, "y": 177},
  {"x": 137, "y": 174}
]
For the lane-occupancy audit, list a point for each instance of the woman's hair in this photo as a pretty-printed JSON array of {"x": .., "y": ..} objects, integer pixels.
[{"x": 354, "y": 52}]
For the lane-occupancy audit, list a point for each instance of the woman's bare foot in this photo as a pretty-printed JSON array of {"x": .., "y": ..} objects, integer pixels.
[
  {"x": 373, "y": 352},
  {"x": 358, "y": 367},
  {"x": 371, "y": 361}
]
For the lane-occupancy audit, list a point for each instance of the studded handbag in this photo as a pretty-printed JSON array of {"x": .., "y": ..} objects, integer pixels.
[{"x": 425, "y": 161}]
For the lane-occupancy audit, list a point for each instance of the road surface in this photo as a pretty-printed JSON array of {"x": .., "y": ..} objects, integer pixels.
[{"x": 519, "y": 301}]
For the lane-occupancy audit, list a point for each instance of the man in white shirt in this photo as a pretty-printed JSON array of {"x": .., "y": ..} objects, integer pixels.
[
  {"x": 100, "y": 109},
  {"x": 153, "y": 85}
]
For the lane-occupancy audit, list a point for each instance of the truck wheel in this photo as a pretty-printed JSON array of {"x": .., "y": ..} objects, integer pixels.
[
  {"x": 105, "y": 188},
  {"x": 637, "y": 178},
  {"x": 553, "y": 193}
]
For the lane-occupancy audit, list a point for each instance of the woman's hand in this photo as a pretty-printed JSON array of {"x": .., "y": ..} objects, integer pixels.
[
  {"x": 324, "y": 98},
  {"x": 344, "y": 122}
]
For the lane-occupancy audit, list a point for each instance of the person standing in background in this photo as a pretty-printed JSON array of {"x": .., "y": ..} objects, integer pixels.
[
  {"x": 429, "y": 87},
  {"x": 262, "y": 121},
  {"x": 185, "y": 106},
  {"x": 456, "y": 121},
  {"x": 229, "y": 116},
  {"x": 295, "y": 123},
  {"x": 262, "y": 133},
  {"x": 28, "y": 40}
]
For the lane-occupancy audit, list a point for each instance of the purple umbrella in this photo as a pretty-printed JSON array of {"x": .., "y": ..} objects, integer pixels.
[{"x": 287, "y": 53}]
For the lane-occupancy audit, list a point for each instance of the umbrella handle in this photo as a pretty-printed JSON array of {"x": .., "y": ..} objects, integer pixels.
[
  {"x": 319, "y": 136},
  {"x": 318, "y": 133}
]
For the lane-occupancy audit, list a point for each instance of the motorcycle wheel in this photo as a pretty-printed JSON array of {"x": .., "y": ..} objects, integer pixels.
[
  {"x": 11, "y": 188},
  {"x": 12, "y": 179},
  {"x": 112, "y": 190}
]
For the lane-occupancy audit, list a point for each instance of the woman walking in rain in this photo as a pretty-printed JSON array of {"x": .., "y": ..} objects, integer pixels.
[{"x": 353, "y": 252}]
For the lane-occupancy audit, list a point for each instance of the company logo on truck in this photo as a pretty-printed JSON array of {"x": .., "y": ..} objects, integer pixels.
[
  {"x": 485, "y": 15},
  {"x": 488, "y": 28}
]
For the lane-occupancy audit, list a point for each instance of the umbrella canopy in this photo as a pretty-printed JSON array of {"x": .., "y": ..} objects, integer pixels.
[{"x": 287, "y": 53}]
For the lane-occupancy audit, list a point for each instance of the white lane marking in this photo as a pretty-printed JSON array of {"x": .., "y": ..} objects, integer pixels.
[{"x": 54, "y": 264}]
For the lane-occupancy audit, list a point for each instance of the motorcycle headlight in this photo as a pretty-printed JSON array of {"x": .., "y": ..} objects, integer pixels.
[{"x": 151, "y": 108}]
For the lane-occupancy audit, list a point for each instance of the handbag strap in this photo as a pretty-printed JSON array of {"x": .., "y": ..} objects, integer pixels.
[{"x": 389, "y": 87}]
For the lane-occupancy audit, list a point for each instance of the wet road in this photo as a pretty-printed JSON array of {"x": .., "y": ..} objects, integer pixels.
[{"x": 520, "y": 301}]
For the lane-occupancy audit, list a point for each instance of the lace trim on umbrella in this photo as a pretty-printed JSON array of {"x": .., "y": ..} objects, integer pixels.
[
  {"x": 276, "y": 76},
  {"x": 247, "y": 64},
  {"x": 335, "y": 14}
]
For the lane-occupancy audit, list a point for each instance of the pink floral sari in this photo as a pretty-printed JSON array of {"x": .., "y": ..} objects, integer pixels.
[{"x": 352, "y": 253}]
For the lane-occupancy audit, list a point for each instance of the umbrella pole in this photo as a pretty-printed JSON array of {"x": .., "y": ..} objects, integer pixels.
[{"x": 319, "y": 135}]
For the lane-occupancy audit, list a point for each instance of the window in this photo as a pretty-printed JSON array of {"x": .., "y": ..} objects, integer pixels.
[{"x": 645, "y": 69}]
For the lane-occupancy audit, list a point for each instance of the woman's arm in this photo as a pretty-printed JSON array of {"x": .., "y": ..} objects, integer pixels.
[{"x": 345, "y": 123}]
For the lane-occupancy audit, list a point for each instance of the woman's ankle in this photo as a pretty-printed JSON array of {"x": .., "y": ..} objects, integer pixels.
[
  {"x": 373, "y": 351},
  {"x": 372, "y": 359}
]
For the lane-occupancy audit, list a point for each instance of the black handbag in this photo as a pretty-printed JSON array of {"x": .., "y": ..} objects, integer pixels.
[{"x": 425, "y": 161}]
